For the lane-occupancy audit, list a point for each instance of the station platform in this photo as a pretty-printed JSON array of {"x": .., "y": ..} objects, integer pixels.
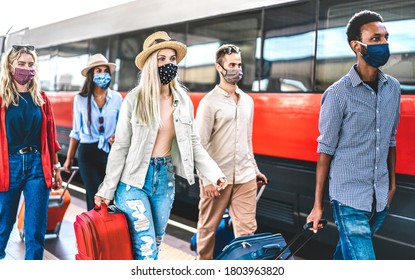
[{"x": 63, "y": 247}]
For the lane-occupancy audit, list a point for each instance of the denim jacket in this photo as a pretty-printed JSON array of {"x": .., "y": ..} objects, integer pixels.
[{"x": 130, "y": 154}]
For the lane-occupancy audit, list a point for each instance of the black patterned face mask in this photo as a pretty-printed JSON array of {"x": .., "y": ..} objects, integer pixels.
[{"x": 167, "y": 72}]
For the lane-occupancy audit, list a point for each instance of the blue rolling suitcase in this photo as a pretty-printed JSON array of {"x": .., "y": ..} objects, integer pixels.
[
  {"x": 224, "y": 234},
  {"x": 266, "y": 246}
]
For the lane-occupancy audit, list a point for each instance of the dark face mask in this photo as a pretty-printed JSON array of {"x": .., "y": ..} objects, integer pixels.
[
  {"x": 376, "y": 55},
  {"x": 23, "y": 76},
  {"x": 167, "y": 73}
]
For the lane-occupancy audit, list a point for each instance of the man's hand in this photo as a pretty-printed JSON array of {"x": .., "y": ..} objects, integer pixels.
[
  {"x": 211, "y": 191},
  {"x": 315, "y": 217},
  {"x": 261, "y": 179}
]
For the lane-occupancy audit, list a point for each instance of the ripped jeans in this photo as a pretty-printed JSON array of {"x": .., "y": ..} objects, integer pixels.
[{"x": 148, "y": 209}]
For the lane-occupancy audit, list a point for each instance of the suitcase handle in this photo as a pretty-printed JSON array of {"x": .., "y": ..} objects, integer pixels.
[
  {"x": 105, "y": 211},
  {"x": 73, "y": 172},
  {"x": 305, "y": 230},
  {"x": 261, "y": 190}
]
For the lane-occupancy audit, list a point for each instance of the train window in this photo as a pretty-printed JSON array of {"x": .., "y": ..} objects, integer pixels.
[
  {"x": 205, "y": 36},
  {"x": 71, "y": 59},
  {"x": 288, "y": 49},
  {"x": 334, "y": 56},
  {"x": 99, "y": 45},
  {"x": 47, "y": 63},
  {"x": 59, "y": 67},
  {"x": 126, "y": 47}
]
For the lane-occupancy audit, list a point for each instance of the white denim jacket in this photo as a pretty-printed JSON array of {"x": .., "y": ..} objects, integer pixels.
[{"x": 130, "y": 154}]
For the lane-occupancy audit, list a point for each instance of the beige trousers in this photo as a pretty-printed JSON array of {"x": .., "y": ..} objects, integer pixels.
[{"x": 240, "y": 199}]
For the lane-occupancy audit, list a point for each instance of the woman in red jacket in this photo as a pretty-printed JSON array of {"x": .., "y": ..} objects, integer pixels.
[{"x": 28, "y": 150}]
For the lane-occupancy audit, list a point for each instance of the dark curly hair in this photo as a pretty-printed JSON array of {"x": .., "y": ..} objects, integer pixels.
[{"x": 353, "y": 31}]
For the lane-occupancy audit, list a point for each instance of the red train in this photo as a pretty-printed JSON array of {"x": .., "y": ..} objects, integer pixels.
[{"x": 292, "y": 51}]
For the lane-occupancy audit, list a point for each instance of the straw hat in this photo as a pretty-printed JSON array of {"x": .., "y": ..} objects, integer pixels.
[
  {"x": 156, "y": 41},
  {"x": 97, "y": 60}
]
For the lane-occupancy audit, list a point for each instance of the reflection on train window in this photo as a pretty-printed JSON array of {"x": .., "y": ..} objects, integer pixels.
[
  {"x": 334, "y": 55},
  {"x": 127, "y": 46},
  {"x": 204, "y": 37},
  {"x": 288, "y": 49},
  {"x": 60, "y": 70}
]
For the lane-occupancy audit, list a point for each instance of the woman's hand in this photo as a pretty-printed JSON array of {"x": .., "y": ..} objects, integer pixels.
[
  {"x": 111, "y": 139},
  {"x": 57, "y": 180},
  {"x": 221, "y": 184},
  {"x": 99, "y": 199},
  {"x": 68, "y": 165}
]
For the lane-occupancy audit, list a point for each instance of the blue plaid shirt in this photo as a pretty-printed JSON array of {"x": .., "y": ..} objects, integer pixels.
[{"x": 357, "y": 127}]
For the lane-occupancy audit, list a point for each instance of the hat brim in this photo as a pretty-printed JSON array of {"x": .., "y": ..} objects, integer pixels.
[
  {"x": 180, "y": 49},
  {"x": 111, "y": 66}
]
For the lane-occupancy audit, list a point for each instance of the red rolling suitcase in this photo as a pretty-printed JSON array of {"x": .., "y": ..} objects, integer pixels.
[
  {"x": 58, "y": 204},
  {"x": 102, "y": 234}
]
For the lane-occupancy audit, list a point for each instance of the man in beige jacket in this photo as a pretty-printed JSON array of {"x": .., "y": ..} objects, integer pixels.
[{"x": 224, "y": 119}]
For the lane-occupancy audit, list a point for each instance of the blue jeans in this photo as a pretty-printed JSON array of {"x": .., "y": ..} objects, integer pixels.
[
  {"x": 26, "y": 175},
  {"x": 356, "y": 229},
  {"x": 148, "y": 209}
]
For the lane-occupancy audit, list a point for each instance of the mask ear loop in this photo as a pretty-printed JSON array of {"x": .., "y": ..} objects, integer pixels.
[
  {"x": 226, "y": 71},
  {"x": 362, "y": 44},
  {"x": 12, "y": 68}
]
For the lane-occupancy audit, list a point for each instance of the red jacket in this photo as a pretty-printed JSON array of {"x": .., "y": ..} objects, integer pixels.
[{"x": 48, "y": 142}]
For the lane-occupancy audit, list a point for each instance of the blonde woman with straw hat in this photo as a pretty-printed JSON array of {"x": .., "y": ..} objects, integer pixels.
[
  {"x": 95, "y": 114},
  {"x": 156, "y": 139}
]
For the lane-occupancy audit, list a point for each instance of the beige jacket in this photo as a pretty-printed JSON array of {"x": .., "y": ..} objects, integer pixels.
[{"x": 130, "y": 154}]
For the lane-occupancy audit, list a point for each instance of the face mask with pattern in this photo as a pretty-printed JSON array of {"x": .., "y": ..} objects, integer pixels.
[
  {"x": 167, "y": 73},
  {"x": 232, "y": 75},
  {"x": 102, "y": 79}
]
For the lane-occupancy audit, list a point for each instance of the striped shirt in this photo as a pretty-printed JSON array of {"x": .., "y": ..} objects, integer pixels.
[{"x": 357, "y": 127}]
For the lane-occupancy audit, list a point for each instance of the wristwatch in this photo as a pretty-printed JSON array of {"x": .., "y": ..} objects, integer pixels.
[{"x": 57, "y": 166}]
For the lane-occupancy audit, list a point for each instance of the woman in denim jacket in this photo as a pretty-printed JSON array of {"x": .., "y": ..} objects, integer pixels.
[{"x": 155, "y": 139}]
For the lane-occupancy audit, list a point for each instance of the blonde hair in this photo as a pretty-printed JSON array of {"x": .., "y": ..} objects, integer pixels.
[
  {"x": 148, "y": 92},
  {"x": 8, "y": 90}
]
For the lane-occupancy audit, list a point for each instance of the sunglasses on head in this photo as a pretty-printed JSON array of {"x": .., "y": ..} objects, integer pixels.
[
  {"x": 19, "y": 47},
  {"x": 101, "y": 122},
  {"x": 230, "y": 50},
  {"x": 156, "y": 41}
]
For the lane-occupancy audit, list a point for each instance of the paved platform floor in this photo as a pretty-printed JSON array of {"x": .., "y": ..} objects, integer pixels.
[{"x": 64, "y": 246}]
